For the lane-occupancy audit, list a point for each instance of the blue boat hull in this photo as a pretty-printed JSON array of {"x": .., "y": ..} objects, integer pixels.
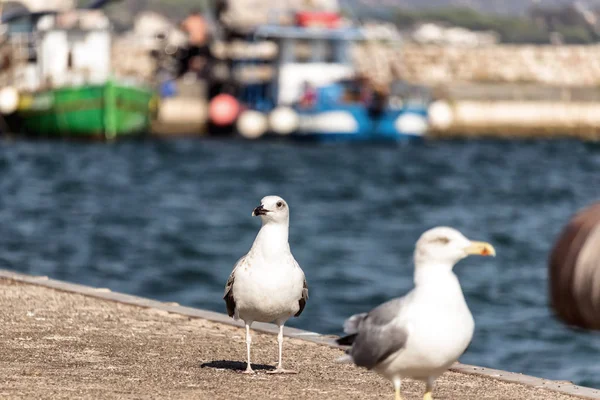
[
  {"x": 344, "y": 137},
  {"x": 355, "y": 123}
]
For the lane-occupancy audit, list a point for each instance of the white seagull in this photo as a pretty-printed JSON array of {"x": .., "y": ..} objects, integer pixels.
[
  {"x": 422, "y": 334},
  {"x": 267, "y": 284}
]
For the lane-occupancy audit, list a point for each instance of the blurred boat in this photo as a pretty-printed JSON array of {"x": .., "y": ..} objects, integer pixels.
[
  {"x": 103, "y": 111},
  {"x": 56, "y": 79},
  {"x": 316, "y": 92},
  {"x": 339, "y": 113}
]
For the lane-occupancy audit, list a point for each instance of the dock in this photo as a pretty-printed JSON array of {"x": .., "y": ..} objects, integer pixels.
[{"x": 66, "y": 341}]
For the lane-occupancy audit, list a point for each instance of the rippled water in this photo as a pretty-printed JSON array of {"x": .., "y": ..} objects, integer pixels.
[{"x": 168, "y": 219}]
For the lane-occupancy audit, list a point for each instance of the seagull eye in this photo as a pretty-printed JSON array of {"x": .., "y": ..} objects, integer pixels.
[
  {"x": 279, "y": 204},
  {"x": 442, "y": 240}
]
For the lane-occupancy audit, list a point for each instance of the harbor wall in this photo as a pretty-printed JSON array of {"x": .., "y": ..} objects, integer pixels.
[
  {"x": 515, "y": 119},
  {"x": 548, "y": 65}
]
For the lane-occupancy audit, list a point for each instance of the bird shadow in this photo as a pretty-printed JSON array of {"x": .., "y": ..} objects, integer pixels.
[{"x": 237, "y": 366}]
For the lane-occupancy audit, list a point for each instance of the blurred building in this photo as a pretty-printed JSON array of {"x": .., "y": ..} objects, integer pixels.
[{"x": 46, "y": 5}]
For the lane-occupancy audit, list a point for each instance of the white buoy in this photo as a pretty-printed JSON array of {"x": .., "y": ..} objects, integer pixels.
[
  {"x": 441, "y": 114},
  {"x": 283, "y": 120},
  {"x": 9, "y": 100},
  {"x": 412, "y": 124},
  {"x": 252, "y": 124}
]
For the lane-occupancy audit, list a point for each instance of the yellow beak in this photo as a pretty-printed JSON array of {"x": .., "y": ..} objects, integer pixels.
[{"x": 481, "y": 249}]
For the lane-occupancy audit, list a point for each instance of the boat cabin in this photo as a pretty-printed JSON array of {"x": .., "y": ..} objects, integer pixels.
[
  {"x": 50, "y": 50},
  {"x": 314, "y": 56}
]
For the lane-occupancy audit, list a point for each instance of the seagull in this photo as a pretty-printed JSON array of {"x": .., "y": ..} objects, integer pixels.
[
  {"x": 422, "y": 334},
  {"x": 267, "y": 284}
]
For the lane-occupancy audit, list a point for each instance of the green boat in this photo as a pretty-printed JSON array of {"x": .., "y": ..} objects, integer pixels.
[{"x": 103, "y": 111}]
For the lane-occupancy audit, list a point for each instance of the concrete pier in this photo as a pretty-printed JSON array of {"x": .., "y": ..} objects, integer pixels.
[{"x": 66, "y": 341}]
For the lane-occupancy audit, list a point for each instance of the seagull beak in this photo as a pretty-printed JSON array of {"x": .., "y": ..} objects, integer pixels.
[
  {"x": 481, "y": 249},
  {"x": 260, "y": 210}
]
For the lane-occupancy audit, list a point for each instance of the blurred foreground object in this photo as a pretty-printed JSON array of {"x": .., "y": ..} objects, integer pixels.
[{"x": 575, "y": 271}]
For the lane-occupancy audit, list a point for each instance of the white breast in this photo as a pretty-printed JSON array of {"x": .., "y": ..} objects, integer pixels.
[{"x": 266, "y": 293}]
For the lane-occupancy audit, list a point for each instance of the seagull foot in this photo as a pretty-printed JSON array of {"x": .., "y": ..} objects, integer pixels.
[
  {"x": 248, "y": 371},
  {"x": 428, "y": 396},
  {"x": 280, "y": 370}
]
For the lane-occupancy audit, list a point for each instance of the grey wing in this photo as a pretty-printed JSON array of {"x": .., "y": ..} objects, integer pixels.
[
  {"x": 303, "y": 299},
  {"x": 229, "y": 296},
  {"x": 379, "y": 335},
  {"x": 352, "y": 324}
]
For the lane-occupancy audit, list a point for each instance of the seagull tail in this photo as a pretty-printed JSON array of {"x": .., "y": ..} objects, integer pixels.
[{"x": 346, "y": 340}]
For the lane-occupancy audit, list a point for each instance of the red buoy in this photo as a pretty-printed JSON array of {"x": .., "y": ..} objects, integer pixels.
[{"x": 223, "y": 110}]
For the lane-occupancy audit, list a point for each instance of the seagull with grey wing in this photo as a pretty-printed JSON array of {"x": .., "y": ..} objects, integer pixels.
[
  {"x": 422, "y": 334},
  {"x": 267, "y": 284}
]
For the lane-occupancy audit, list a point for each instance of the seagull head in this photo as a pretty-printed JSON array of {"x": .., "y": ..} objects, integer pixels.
[
  {"x": 272, "y": 209},
  {"x": 447, "y": 246}
]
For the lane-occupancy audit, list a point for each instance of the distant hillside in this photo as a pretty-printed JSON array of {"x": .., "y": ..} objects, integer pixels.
[{"x": 380, "y": 8}]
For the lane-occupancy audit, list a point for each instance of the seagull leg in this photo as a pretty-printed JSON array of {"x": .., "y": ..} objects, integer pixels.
[
  {"x": 249, "y": 369},
  {"x": 279, "y": 369},
  {"x": 397, "y": 384},
  {"x": 428, "y": 389}
]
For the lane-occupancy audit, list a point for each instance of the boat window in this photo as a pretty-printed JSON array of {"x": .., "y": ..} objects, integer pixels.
[
  {"x": 287, "y": 50},
  {"x": 319, "y": 50},
  {"x": 304, "y": 51},
  {"x": 341, "y": 51},
  {"x": 331, "y": 55}
]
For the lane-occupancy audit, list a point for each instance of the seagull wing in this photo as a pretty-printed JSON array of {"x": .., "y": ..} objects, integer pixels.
[
  {"x": 304, "y": 297},
  {"x": 229, "y": 296},
  {"x": 378, "y": 334}
]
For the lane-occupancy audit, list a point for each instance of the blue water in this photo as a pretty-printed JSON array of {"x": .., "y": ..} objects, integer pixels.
[{"x": 168, "y": 219}]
